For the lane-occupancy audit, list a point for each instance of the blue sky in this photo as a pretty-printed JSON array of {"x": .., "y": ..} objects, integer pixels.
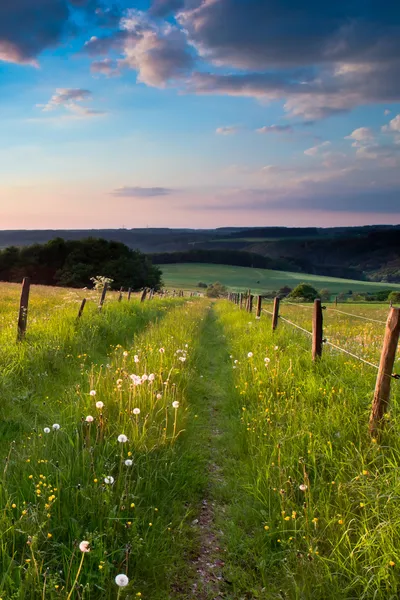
[{"x": 199, "y": 113}]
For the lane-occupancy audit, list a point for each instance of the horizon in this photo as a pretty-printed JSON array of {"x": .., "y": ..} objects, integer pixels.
[{"x": 168, "y": 113}]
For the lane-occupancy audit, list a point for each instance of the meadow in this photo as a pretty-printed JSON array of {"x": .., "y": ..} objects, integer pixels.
[
  {"x": 187, "y": 276},
  {"x": 178, "y": 448}
]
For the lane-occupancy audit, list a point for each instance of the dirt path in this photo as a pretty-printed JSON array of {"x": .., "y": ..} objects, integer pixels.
[{"x": 216, "y": 369}]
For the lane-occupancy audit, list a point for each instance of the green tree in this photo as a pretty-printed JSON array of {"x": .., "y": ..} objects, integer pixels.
[
  {"x": 216, "y": 290},
  {"x": 394, "y": 297},
  {"x": 324, "y": 294},
  {"x": 305, "y": 292}
]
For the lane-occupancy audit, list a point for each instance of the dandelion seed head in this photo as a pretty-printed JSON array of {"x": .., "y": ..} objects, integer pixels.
[
  {"x": 152, "y": 377},
  {"x": 84, "y": 546},
  {"x": 109, "y": 480},
  {"x": 56, "y": 426},
  {"x": 121, "y": 580},
  {"x": 129, "y": 462},
  {"x": 122, "y": 438},
  {"x": 136, "y": 411},
  {"x": 99, "y": 404},
  {"x": 162, "y": 350},
  {"x": 175, "y": 404},
  {"x": 159, "y": 396},
  {"x": 92, "y": 392},
  {"x": 89, "y": 419},
  {"x": 136, "y": 358},
  {"x": 303, "y": 487},
  {"x": 46, "y": 429},
  {"x": 125, "y": 353},
  {"x": 250, "y": 355}
]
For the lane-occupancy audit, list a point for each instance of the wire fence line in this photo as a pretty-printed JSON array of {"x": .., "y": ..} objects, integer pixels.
[
  {"x": 393, "y": 375},
  {"x": 339, "y": 311}
]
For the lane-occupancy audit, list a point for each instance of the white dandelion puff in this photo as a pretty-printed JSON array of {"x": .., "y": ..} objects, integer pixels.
[
  {"x": 122, "y": 580},
  {"x": 125, "y": 353},
  {"x": 122, "y": 438},
  {"x": 92, "y": 392},
  {"x": 56, "y": 426},
  {"x": 129, "y": 462},
  {"x": 303, "y": 487},
  {"x": 162, "y": 350},
  {"x": 109, "y": 480},
  {"x": 152, "y": 377},
  {"x": 159, "y": 396},
  {"x": 84, "y": 546},
  {"x": 46, "y": 429},
  {"x": 99, "y": 404},
  {"x": 250, "y": 355},
  {"x": 89, "y": 419},
  {"x": 175, "y": 404}
]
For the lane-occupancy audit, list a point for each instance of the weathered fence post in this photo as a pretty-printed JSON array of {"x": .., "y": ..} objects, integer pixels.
[
  {"x": 120, "y": 295},
  {"x": 129, "y": 293},
  {"x": 82, "y": 306},
  {"x": 143, "y": 296},
  {"x": 335, "y": 300},
  {"x": 241, "y": 300},
  {"x": 23, "y": 308},
  {"x": 250, "y": 304},
  {"x": 383, "y": 380},
  {"x": 275, "y": 315},
  {"x": 103, "y": 296},
  {"x": 259, "y": 304},
  {"x": 317, "y": 325}
]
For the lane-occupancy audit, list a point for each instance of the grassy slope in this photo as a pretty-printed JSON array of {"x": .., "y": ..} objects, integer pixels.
[{"x": 240, "y": 278}]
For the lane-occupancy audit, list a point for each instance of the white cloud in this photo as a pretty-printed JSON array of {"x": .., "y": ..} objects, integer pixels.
[
  {"x": 394, "y": 125},
  {"x": 362, "y": 134},
  {"x": 317, "y": 149},
  {"x": 227, "y": 130}
]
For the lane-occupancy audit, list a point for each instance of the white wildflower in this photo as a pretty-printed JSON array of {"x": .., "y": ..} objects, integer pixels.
[
  {"x": 84, "y": 546},
  {"x": 122, "y": 438},
  {"x": 136, "y": 411},
  {"x": 121, "y": 580},
  {"x": 109, "y": 480},
  {"x": 129, "y": 462},
  {"x": 99, "y": 404},
  {"x": 92, "y": 392},
  {"x": 303, "y": 487},
  {"x": 250, "y": 355},
  {"x": 175, "y": 404},
  {"x": 56, "y": 426},
  {"x": 89, "y": 419},
  {"x": 46, "y": 429}
]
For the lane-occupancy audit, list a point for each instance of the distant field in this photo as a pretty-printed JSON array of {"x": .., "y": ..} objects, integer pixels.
[{"x": 187, "y": 276}]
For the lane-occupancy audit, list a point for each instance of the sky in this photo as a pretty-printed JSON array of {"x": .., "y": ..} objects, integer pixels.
[{"x": 199, "y": 113}]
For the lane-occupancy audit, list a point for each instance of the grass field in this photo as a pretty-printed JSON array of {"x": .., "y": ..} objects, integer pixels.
[
  {"x": 187, "y": 276},
  {"x": 178, "y": 449}
]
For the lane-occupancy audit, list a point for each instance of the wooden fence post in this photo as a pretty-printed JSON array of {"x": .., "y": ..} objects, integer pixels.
[
  {"x": 250, "y": 305},
  {"x": 82, "y": 306},
  {"x": 120, "y": 295},
  {"x": 129, "y": 293},
  {"x": 23, "y": 308},
  {"x": 317, "y": 325},
  {"x": 275, "y": 315},
  {"x": 143, "y": 296},
  {"x": 384, "y": 378},
  {"x": 336, "y": 301},
  {"x": 241, "y": 300},
  {"x": 259, "y": 304},
  {"x": 103, "y": 296}
]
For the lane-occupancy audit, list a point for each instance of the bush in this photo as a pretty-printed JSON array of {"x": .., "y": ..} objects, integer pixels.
[
  {"x": 394, "y": 297},
  {"x": 325, "y": 295},
  {"x": 201, "y": 284},
  {"x": 216, "y": 290},
  {"x": 304, "y": 291}
]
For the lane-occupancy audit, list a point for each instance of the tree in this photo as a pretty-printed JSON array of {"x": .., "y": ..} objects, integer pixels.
[
  {"x": 305, "y": 292},
  {"x": 325, "y": 295},
  {"x": 394, "y": 297},
  {"x": 284, "y": 291},
  {"x": 201, "y": 284},
  {"x": 216, "y": 290}
]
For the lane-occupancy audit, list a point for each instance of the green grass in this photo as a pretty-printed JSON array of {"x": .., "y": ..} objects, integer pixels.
[{"x": 188, "y": 275}]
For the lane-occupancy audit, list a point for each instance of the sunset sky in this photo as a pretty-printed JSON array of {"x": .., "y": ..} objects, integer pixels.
[{"x": 199, "y": 113}]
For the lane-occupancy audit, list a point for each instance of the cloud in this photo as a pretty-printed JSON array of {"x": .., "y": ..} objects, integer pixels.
[
  {"x": 67, "y": 99},
  {"x": 227, "y": 130},
  {"x": 275, "y": 129},
  {"x": 159, "y": 52},
  {"x": 141, "y": 192},
  {"x": 100, "y": 46},
  {"x": 316, "y": 149},
  {"x": 394, "y": 125},
  {"x": 107, "y": 66},
  {"x": 361, "y": 134},
  {"x": 27, "y": 27},
  {"x": 387, "y": 112}
]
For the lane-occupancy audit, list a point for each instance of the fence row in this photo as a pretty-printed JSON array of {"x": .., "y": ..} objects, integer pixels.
[{"x": 388, "y": 354}]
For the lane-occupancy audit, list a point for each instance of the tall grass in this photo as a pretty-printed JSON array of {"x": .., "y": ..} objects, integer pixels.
[{"x": 316, "y": 512}]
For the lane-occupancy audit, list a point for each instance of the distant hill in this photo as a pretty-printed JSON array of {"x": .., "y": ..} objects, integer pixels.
[{"x": 367, "y": 252}]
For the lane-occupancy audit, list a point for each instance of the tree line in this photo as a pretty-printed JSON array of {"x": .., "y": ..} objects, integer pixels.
[{"x": 72, "y": 263}]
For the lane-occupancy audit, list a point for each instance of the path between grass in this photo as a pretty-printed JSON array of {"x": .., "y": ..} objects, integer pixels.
[{"x": 210, "y": 393}]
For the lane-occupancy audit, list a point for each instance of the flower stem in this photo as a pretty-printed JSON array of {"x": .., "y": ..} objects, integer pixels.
[{"x": 77, "y": 576}]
